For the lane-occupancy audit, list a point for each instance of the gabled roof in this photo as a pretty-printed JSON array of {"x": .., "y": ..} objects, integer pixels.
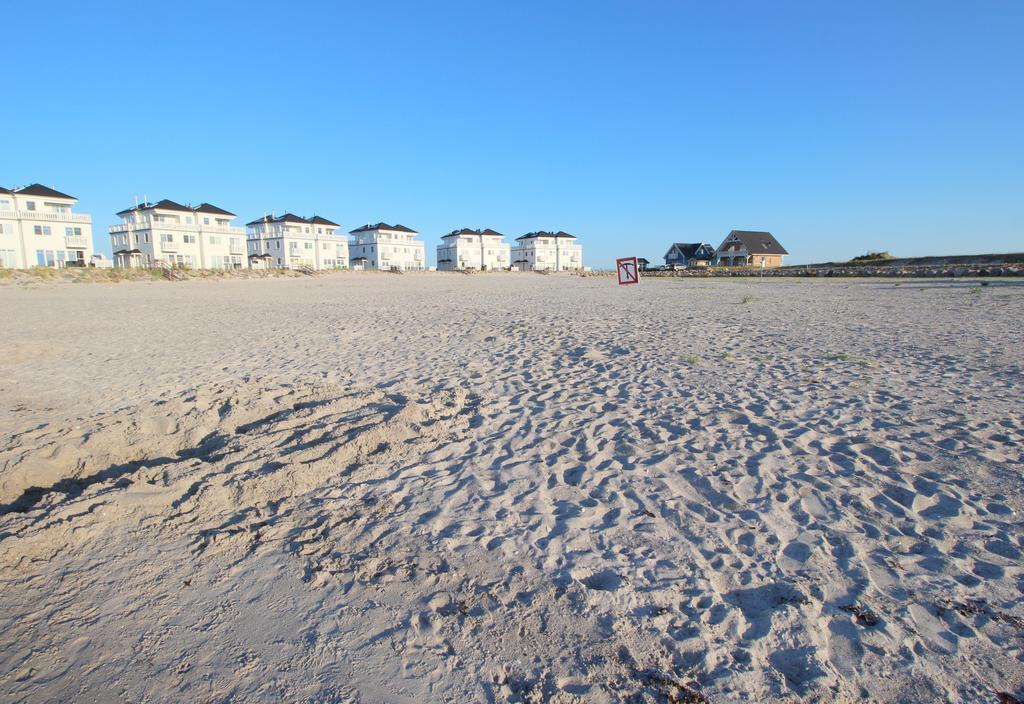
[
  {"x": 164, "y": 204},
  {"x": 488, "y": 232},
  {"x": 287, "y": 217},
  {"x": 291, "y": 217},
  {"x": 382, "y": 226},
  {"x": 38, "y": 189},
  {"x": 542, "y": 233},
  {"x": 4, "y": 190},
  {"x": 756, "y": 242},
  {"x": 207, "y": 208},
  {"x": 167, "y": 204},
  {"x": 690, "y": 249}
]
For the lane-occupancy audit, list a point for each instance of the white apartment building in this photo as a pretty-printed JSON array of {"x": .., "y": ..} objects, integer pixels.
[
  {"x": 37, "y": 228},
  {"x": 473, "y": 249},
  {"x": 547, "y": 251},
  {"x": 384, "y": 246},
  {"x": 291, "y": 242},
  {"x": 166, "y": 233}
]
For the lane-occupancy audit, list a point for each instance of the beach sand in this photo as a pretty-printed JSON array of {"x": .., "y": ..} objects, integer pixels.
[{"x": 499, "y": 488}]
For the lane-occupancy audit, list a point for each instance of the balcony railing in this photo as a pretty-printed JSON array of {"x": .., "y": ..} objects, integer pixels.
[
  {"x": 177, "y": 227},
  {"x": 237, "y": 248},
  {"x": 43, "y": 215},
  {"x": 169, "y": 246},
  {"x": 76, "y": 241}
]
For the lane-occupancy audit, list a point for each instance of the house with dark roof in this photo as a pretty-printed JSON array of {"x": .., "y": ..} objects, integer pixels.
[
  {"x": 291, "y": 241},
  {"x": 481, "y": 250},
  {"x": 167, "y": 233},
  {"x": 385, "y": 247},
  {"x": 683, "y": 255},
  {"x": 39, "y": 228},
  {"x": 750, "y": 248},
  {"x": 547, "y": 251}
]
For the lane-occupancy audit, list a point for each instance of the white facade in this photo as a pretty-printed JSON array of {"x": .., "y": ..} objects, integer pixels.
[
  {"x": 384, "y": 246},
  {"x": 473, "y": 249},
  {"x": 547, "y": 251},
  {"x": 170, "y": 234},
  {"x": 291, "y": 242},
  {"x": 37, "y": 228}
]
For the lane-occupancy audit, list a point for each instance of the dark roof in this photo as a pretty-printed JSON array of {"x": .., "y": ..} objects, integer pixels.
[
  {"x": 382, "y": 226},
  {"x": 207, "y": 208},
  {"x": 359, "y": 259},
  {"x": 167, "y": 204},
  {"x": 757, "y": 242},
  {"x": 38, "y": 189},
  {"x": 317, "y": 220},
  {"x": 164, "y": 204},
  {"x": 488, "y": 232},
  {"x": 689, "y": 249},
  {"x": 4, "y": 190},
  {"x": 542, "y": 233},
  {"x": 287, "y": 217}
]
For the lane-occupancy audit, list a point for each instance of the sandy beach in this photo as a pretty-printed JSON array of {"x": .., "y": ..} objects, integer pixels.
[{"x": 512, "y": 488}]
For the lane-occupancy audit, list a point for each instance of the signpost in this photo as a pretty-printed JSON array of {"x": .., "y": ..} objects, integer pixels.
[{"x": 628, "y": 271}]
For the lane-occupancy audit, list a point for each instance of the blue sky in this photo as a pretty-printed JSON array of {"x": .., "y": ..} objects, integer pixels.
[{"x": 840, "y": 127}]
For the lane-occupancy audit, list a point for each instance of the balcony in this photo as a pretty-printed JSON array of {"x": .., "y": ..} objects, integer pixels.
[
  {"x": 176, "y": 227},
  {"x": 237, "y": 248},
  {"x": 168, "y": 246},
  {"x": 76, "y": 241},
  {"x": 221, "y": 229},
  {"x": 52, "y": 217}
]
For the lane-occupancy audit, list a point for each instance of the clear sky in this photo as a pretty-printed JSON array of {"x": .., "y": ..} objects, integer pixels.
[{"x": 839, "y": 127}]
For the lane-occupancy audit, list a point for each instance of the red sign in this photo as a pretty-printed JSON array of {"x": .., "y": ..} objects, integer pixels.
[{"x": 628, "y": 271}]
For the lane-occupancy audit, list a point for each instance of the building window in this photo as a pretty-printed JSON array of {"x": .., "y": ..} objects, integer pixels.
[
  {"x": 30, "y": 205},
  {"x": 206, "y": 221},
  {"x": 188, "y": 239},
  {"x": 166, "y": 238}
]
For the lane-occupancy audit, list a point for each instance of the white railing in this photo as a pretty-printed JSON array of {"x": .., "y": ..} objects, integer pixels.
[
  {"x": 237, "y": 249},
  {"x": 76, "y": 241},
  {"x": 169, "y": 246},
  {"x": 223, "y": 229},
  {"x": 43, "y": 215},
  {"x": 178, "y": 227}
]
